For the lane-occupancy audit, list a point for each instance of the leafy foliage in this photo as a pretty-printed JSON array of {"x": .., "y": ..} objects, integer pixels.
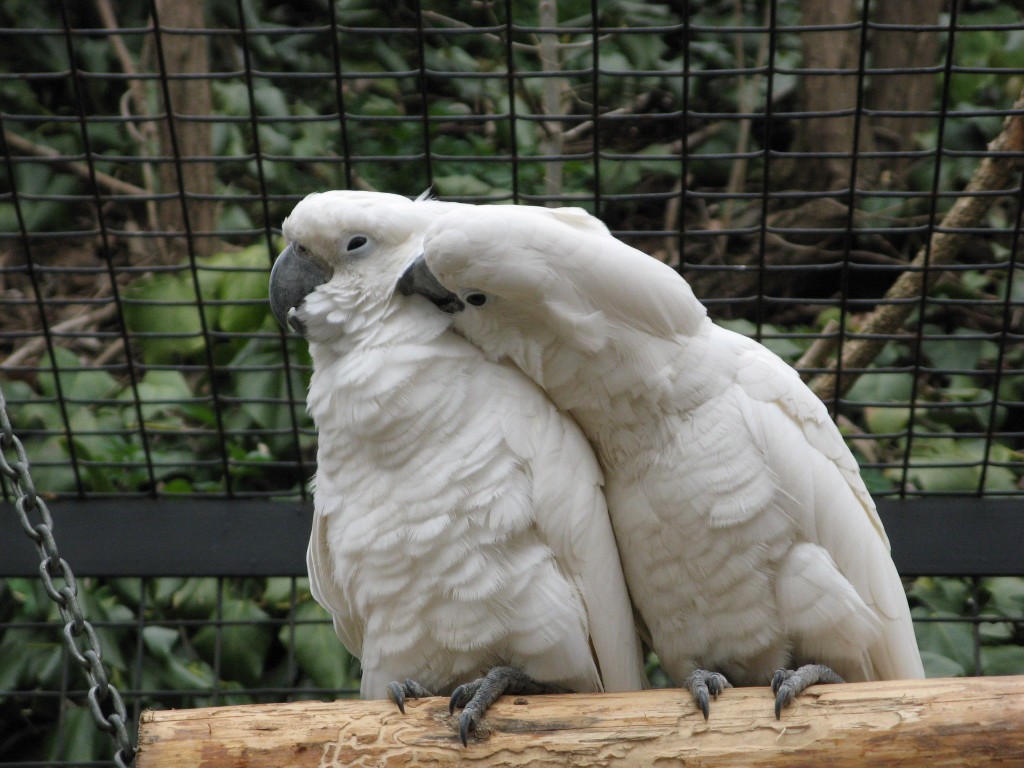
[
  {"x": 204, "y": 642},
  {"x": 207, "y": 403}
]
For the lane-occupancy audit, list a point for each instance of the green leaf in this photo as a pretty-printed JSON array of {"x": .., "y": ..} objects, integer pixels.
[
  {"x": 953, "y": 354},
  {"x": 951, "y": 638},
  {"x": 14, "y": 659},
  {"x": 244, "y": 284},
  {"x": 159, "y": 641},
  {"x": 317, "y": 648},
  {"x": 63, "y": 359},
  {"x": 945, "y": 464},
  {"x": 160, "y": 392},
  {"x": 884, "y": 420},
  {"x": 937, "y": 665},
  {"x": 1002, "y": 660},
  {"x": 940, "y": 594},
  {"x": 164, "y": 303},
  {"x": 78, "y": 740},
  {"x": 50, "y": 465},
  {"x": 278, "y": 592},
  {"x": 182, "y": 675},
  {"x": 195, "y": 597},
  {"x": 86, "y": 385},
  {"x": 882, "y": 388},
  {"x": 1006, "y": 595},
  {"x": 243, "y": 646}
]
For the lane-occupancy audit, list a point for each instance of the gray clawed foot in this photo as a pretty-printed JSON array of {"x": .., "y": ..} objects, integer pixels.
[
  {"x": 704, "y": 685},
  {"x": 787, "y": 684},
  {"x": 472, "y": 710},
  {"x": 476, "y": 697},
  {"x": 398, "y": 691}
]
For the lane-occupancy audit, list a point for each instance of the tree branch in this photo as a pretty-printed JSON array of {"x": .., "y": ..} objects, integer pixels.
[
  {"x": 996, "y": 172},
  {"x": 899, "y": 724},
  {"x": 79, "y": 169}
]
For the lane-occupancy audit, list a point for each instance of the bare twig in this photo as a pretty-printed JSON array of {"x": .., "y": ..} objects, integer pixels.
[
  {"x": 146, "y": 136},
  {"x": 135, "y": 86},
  {"x": 79, "y": 169},
  {"x": 113, "y": 349},
  {"x": 994, "y": 173},
  {"x": 858, "y": 438},
  {"x": 36, "y": 345},
  {"x": 819, "y": 351},
  {"x": 587, "y": 125},
  {"x": 673, "y": 208},
  {"x": 448, "y": 21}
]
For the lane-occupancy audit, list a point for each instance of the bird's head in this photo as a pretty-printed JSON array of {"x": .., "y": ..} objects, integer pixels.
[
  {"x": 504, "y": 272},
  {"x": 516, "y": 277},
  {"x": 345, "y": 251}
]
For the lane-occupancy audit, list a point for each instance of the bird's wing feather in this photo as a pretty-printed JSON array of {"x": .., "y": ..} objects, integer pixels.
[
  {"x": 834, "y": 509},
  {"x": 325, "y": 590},
  {"x": 768, "y": 379},
  {"x": 572, "y": 519}
]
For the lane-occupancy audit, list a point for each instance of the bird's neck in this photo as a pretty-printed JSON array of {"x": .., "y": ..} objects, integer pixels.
[{"x": 354, "y": 364}]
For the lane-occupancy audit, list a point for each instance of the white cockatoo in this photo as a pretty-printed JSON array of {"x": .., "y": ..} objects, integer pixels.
[
  {"x": 460, "y": 523},
  {"x": 749, "y": 540}
]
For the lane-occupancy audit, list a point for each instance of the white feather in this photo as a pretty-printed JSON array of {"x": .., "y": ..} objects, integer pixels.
[
  {"x": 459, "y": 517},
  {"x": 748, "y": 537}
]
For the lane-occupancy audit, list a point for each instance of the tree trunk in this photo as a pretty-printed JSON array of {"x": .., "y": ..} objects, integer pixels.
[
  {"x": 905, "y": 91},
  {"x": 186, "y": 54},
  {"x": 827, "y": 50}
]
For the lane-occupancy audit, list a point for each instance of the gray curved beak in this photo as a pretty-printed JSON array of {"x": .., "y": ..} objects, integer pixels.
[
  {"x": 418, "y": 278},
  {"x": 292, "y": 277}
]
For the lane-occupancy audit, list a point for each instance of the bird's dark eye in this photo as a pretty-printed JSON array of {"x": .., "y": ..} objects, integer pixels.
[
  {"x": 476, "y": 299},
  {"x": 355, "y": 243}
]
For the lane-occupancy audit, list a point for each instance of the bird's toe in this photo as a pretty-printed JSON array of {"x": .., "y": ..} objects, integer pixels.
[
  {"x": 398, "y": 692},
  {"x": 787, "y": 684},
  {"x": 704, "y": 686}
]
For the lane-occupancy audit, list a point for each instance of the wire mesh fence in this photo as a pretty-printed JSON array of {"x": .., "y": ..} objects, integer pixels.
[{"x": 789, "y": 159}]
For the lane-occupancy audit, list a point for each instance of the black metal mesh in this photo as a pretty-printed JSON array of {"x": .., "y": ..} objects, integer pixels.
[{"x": 789, "y": 159}]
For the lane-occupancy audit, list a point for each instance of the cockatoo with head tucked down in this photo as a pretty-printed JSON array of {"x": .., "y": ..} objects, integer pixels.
[
  {"x": 749, "y": 540},
  {"x": 459, "y": 524}
]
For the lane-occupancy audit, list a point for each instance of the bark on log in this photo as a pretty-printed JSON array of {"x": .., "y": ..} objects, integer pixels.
[{"x": 962, "y": 721}]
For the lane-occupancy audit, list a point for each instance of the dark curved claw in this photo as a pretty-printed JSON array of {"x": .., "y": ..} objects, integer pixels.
[
  {"x": 398, "y": 692},
  {"x": 477, "y": 696},
  {"x": 787, "y": 684},
  {"x": 703, "y": 686},
  {"x": 463, "y": 694},
  {"x": 467, "y": 720},
  {"x": 397, "y": 695},
  {"x": 784, "y": 694}
]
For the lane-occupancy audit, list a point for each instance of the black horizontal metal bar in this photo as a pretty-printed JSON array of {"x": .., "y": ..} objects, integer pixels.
[
  {"x": 938, "y": 536},
  {"x": 166, "y": 537}
]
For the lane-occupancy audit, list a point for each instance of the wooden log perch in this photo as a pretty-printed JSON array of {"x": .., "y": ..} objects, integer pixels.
[{"x": 956, "y": 721}]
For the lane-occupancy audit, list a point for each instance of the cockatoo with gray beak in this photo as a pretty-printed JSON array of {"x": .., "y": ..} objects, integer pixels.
[
  {"x": 460, "y": 536},
  {"x": 749, "y": 540}
]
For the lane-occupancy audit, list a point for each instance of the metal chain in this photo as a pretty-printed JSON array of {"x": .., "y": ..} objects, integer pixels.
[{"x": 53, "y": 567}]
